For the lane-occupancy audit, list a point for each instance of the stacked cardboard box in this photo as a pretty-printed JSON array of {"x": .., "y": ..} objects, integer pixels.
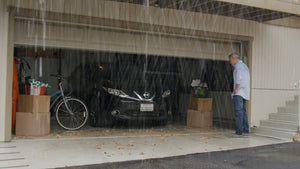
[
  {"x": 200, "y": 113},
  {"x": 33, "y": 116}
]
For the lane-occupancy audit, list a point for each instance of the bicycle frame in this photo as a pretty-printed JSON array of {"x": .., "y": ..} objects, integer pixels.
[{"x": 59, "y": 94}]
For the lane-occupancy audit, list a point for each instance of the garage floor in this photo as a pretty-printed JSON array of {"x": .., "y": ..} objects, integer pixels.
[
  {"x": 118, "y": 130},
  {"x": 98, "y": 145}
]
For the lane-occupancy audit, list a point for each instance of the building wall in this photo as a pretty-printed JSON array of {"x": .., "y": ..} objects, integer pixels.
[
  {"x": 275, "y": 69},
  {"x": 275, "y": 53}
]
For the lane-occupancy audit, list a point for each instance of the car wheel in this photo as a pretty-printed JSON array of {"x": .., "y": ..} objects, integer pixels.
[{"x": 163, "y": 122}]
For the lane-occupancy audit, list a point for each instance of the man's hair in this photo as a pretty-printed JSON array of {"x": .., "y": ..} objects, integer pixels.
[{"x": 234, "y": 55}]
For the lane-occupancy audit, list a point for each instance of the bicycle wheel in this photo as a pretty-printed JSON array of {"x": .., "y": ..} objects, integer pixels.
[{"x": 75, "y": 120}]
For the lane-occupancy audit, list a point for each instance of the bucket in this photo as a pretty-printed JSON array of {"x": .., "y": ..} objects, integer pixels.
[{"x": 43, "y": 90}]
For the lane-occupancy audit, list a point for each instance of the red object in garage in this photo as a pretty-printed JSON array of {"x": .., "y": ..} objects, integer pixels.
[{"x": 15, "y": 95}]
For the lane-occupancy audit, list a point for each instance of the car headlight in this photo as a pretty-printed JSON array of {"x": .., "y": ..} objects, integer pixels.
[
  {"x": 166, "y": 94},
  {"x": 116, "y": 92}
]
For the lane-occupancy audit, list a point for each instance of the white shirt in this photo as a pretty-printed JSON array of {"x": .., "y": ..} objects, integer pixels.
[{"x": 241, "y": 75}]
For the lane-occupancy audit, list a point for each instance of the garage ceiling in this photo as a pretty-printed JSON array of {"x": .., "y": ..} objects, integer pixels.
[{"x": 217, "y": 8}]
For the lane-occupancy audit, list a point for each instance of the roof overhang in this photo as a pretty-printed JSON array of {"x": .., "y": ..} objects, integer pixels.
[{"x": 287, "y": 6}]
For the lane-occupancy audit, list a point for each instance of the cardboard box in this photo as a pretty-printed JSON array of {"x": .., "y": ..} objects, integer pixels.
[
  {"x": 33, "y": 104},
  {"x": 199, "y": 119},
  {"x": 201, "y": 104},
  {"x": 32, "y": 124}
]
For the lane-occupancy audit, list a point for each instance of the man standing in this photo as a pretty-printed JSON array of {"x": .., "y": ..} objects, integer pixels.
[{"x": 241, "y": 93}]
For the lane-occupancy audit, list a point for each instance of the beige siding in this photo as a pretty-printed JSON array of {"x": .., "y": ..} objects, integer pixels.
[
  {"x": 275, "y": 69},
  {"x": 276, "y": 57}
]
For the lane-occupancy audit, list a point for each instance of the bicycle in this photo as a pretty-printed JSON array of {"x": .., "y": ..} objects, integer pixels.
[{"x": 71, "y": 113}]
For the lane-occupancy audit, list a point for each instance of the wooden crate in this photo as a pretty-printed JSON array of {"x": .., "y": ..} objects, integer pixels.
[
  {"x": 199, "y": 119},
  {"x": 201, "y": 104}
]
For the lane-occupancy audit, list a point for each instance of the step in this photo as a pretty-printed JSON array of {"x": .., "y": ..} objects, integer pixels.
[
  {"x": 292, "y": 106},
  {"x": 279, "y": 124},
  {"x": 292, "y": 103},
  {"x": 284, "y": 117},
  {"x": 278, "y": 128},
  {"x": 287, "y": 110},
  {"x": 274, "y": 133}
]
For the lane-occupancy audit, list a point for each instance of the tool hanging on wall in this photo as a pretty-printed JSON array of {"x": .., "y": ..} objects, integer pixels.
[{"x": 38, "y": 63}]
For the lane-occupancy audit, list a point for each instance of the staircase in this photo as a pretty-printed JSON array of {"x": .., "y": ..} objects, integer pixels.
[{"x": 281, "y": 125}]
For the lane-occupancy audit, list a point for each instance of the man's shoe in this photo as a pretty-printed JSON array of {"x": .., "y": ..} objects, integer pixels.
[
  {"x": 237, "y": 136},
  {"x": 246, "y": 134}
]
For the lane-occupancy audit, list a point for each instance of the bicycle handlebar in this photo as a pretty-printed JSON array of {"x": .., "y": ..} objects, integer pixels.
[{"x": 57, "y": 76}]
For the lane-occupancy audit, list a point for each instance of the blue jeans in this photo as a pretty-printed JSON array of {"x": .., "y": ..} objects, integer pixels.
[{"x": 241, "y": 117}]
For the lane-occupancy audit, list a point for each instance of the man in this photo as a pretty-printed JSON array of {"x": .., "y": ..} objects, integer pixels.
[{"x": 240, "y": 94}]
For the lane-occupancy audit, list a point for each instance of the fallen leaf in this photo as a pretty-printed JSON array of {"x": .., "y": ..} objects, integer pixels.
[
  {"x": 98, "y": 147},
  {"x": 142, "y": 153},
  {"x": 203, "y": 138},
  {"x": 121, "y": 148}
]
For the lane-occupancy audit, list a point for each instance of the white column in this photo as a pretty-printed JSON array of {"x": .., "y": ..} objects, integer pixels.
[
  {"x": 299, "y": 106},
  {"x": 6, "y": 59}
]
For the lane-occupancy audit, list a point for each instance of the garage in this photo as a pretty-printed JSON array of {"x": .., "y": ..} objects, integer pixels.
[
  {"x": 106, "y": 81},
  {"x": 97, "y": 62}
]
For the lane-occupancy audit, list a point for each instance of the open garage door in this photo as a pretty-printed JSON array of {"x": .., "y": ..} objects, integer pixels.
[{"x": 51, "y": 34}]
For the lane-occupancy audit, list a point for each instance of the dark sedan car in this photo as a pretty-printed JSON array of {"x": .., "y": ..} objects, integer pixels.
[{"x": 123, "y": 94}]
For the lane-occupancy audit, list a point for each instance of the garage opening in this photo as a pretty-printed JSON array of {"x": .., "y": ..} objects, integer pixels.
[
  {"x": 125, "y": 80},
  {"x": 125, "y": 93}
]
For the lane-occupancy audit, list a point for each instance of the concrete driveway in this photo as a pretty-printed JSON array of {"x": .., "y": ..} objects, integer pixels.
[{"x": 74, "y": 151}]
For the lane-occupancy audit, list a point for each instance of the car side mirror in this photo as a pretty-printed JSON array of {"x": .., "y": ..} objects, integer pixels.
[{"x": 166, "y": 94}]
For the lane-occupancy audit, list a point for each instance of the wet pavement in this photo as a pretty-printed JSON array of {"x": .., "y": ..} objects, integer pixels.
[{"x": 281, "y": 156}]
